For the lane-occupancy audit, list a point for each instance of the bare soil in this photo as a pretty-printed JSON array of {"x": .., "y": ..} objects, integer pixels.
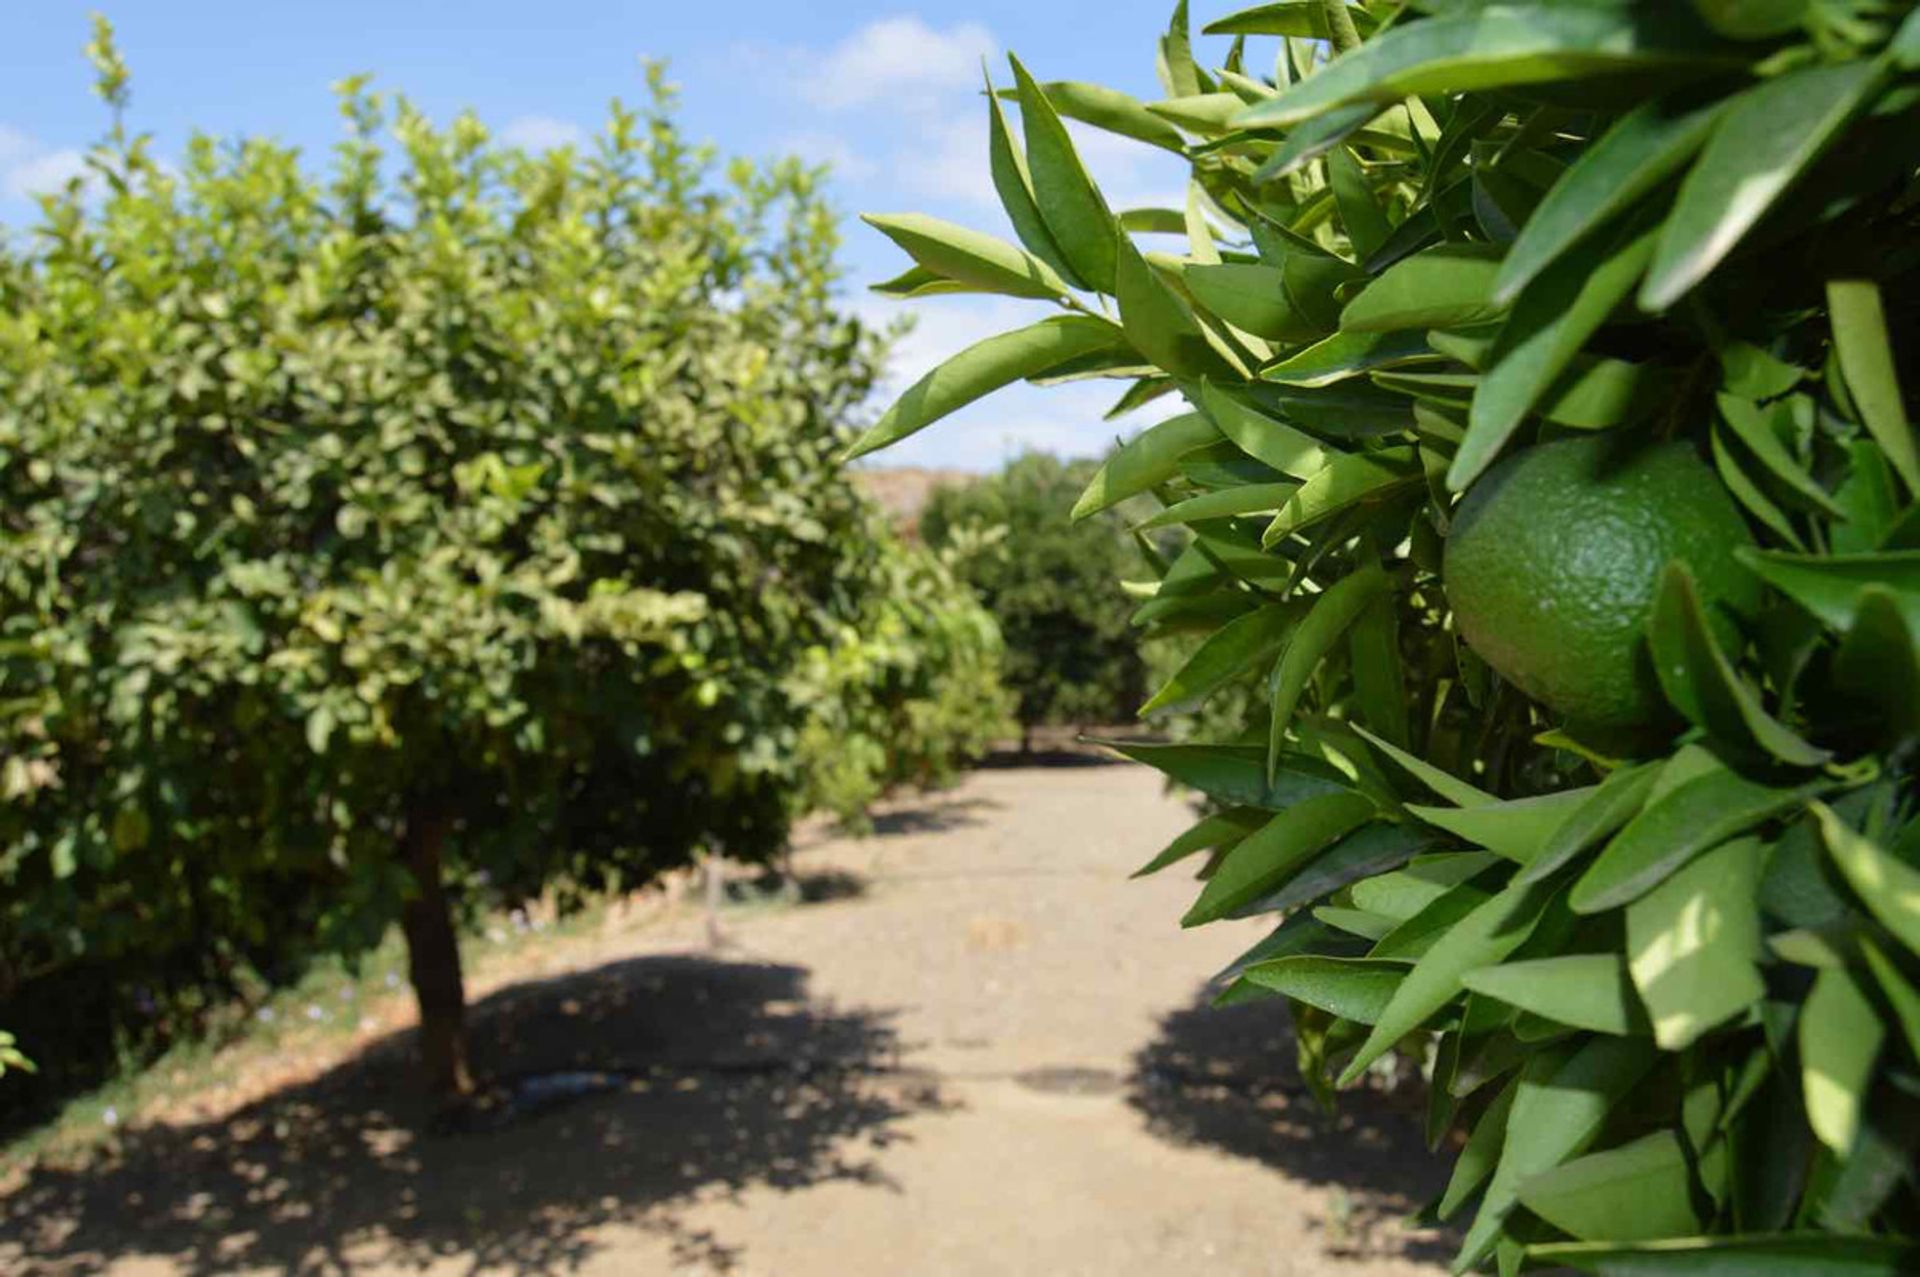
[{"x": 972, "y": 1047}]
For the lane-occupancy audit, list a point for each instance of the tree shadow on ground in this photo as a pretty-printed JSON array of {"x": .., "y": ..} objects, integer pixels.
[
  {"x": 935, "y": 813},
  {"x": 1226, "y": 1077},
  {"x": 681, "y": 1077}
]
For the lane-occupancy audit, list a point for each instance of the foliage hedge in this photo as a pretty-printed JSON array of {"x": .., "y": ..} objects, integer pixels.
[
  {"x": 459, "y": 525},
  {"x": 1071, "y": 655},
  {"x": 1667, "y": 984}
]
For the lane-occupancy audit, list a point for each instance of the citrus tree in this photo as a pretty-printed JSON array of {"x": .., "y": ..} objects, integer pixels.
[
  {"x": 1542, "y": 433},
  {"x": 459, "y": 525},
  {"x": 1070, "y": 657}
]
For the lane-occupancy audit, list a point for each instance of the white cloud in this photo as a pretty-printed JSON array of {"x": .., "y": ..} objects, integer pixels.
[
  {"x": 830, "y": 149},
  {"x": 28, "y": 168},
  {"x": 948, "y": 160},
  {"x": 897, "y": 62},
  {"x": 543, "y": 133}
]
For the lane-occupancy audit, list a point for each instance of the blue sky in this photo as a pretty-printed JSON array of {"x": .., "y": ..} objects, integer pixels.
[{"x": 887, "y": 94}]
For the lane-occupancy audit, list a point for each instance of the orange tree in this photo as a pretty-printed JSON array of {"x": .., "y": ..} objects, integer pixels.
[
  {"x": 460, "y": 526},
  {"x": 1543, "y": 442}
]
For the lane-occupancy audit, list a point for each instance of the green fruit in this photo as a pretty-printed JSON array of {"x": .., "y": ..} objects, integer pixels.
[{"x": 1556, "y": 555}]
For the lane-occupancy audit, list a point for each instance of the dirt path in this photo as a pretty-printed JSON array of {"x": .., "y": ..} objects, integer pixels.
[{"x": 981, "y": 1051}]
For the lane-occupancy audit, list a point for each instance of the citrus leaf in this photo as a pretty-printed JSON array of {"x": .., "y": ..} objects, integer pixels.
[
  {"x": 1111, "y": 110},
  {"x": 1586, "y": 990},
  {"x": 1901, "y": 995},
  {"x": 1370, "y": 850},
  {"x": 1148, "y": 459},
  {"x": 1840, "y": 1036},
  {"x": 1075, "y": 213},
  {"x": 985, "y": 367},
  {"x": 1252, "y": 298},
  {"x": 1228, "y": 652},
  {"x": 1014, "y": 184},
  {"x": 1366, "y": 226},
  {"x": 1787, "y": 1255},
  {"x": 1482, "y": 1153},
  {"x": 1755, "y": 428},
  {"x": 1236, "y": 775},
  {"x": 1516, "y": 829},
  {"x": 1866, "y": 360},
  {"x": 1482, "y": 938},
  {"x": 1675, "y": 827},
  {"x": 1446, "y": 286},
  {"x": 1887, "y": 886},
  {"x": 1552, "y": 318},
  {"x": 1701, "y": 682},
  {"x": 1267, "y": 857},
  {"x": 1345, "y": 355},
  {"x": 1558, "y": 1110},
  {"x": 1327, "y": 620},
  {"x": 1343, "y": 483},
  {"x": 1265, "y": 438},
  {"x": 1159, "y": 324},
  {"x": 1693, "y": 942},
  {"x": 1485, "y": 48},
  {"x": 1879, "y": 663},
  {"x": 1379, "y": 680},
  {"x": 1637, "y": 1192},
  {"x": 1355, "y": 989},
  {"x": 1443, "y": 783},
  {"x": 1608, "y": 807},
  {"x": 1833, "y": 586},
  {"x": 971, "y": 257},
  {"x": 1764, "y": 141},
  {"x": 1749, "y": 494},
  {"x": 1253, "y": 498},
  {"x": 918, "y": 281},
  {"x": 1305, "y": 19},
  {"x": 1639, "y": 152},
  {"x": 1406, "y": 892},
  {"x": 1223, "y": 829}
]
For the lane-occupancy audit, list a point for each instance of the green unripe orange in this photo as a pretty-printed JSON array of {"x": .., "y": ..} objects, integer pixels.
[{"x": 1555, "y": 557}]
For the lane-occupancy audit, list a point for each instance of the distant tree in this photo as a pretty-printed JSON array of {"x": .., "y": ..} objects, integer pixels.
[{"x": 1071, "y": 654}]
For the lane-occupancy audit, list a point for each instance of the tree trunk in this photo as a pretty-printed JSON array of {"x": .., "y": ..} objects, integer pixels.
[{"x": 433, "y": 959}]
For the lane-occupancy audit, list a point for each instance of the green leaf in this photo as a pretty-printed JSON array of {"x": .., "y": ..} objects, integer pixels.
[
  {"x": 1221, "y": 829},
  {"x": 1237, "y": 775},
  {"x": 1354, "y": 989},
  {"x": 1749, "y": 494},
  {"x": 1641, "y": 150},
  {"x": 1901, "y": 995},
  {"x": 1253, "y": 498},
  {"x": 1074, "y": 211},
  {"x": 1379, "y": 680},
  {"x": 1266, "y": 858},
  {"x": 985, "y": 367},
  {"x": 1556, "y": 1114},
  {"x": 1637, "y": 1192},
  {"x": 1315, "y": 138},
  {"x": 1443, "y": 783},
  {"x": 1755, "y": 428},
  {"x": 1675, "y": 827},
  {"x": 1551, "y": 320},
  {"x": 1229, "y": 652},
  {"x": 1014, "y": 184},
  {"x": 1481, "y": 1155},
  {"x": 1787, "y": 1255},
  {"x": 1332, "y": 612},
  {"x": 1369, "y": 850},
  {"x": 1840, "y": 1036},
  {"x": 1586, "y": 990},
  {"x": 1694, "y": 941},
  {"x": 1446, "y": 286},
  {"x": 1148, "y": 459},
  {"x": 1486, "y": 48},
  {"x": 1343, "y": 483},
  {"x": 1304, "y": 19},
  {"x": 1406, "y": 892},
  {"x": 1516, "y": 829},
  {"x": 1701, "y": 682},
  {"x": 1158, "y": 323},
  {"x": 1112, "y": 110},
  {"x": 1208, "y": 114},
  {"x": 1752, "y": 19},
  {"x": 1345, "y": 355},
  {"x": 918, "y": 281},
  {"x": 1250, "y": 297},
  {"x": 1888, "y": 887},
  {"x": 982, "y": 261},
  {"x": 1366, "y": 225},
  {"x": 1484, "y": 937},
  {"x": 1765, "y": 140},
  {"x": 1264, "y": 437},
  {"x": 1866, "y": 360},
  {"x": 1879, "y": 664},
  {"x": 1607, "y": 809},
  {"x": 1833, "y": 587}
]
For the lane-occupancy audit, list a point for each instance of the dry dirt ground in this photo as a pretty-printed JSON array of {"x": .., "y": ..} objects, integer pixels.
[{"x": 975, "y": 1049}]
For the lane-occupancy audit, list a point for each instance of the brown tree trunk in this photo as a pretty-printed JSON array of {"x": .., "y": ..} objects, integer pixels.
[{"x": 433, "y": 959}]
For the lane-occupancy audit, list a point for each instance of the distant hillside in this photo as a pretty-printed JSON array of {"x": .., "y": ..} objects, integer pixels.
[{"x": 903, "y": 491}]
